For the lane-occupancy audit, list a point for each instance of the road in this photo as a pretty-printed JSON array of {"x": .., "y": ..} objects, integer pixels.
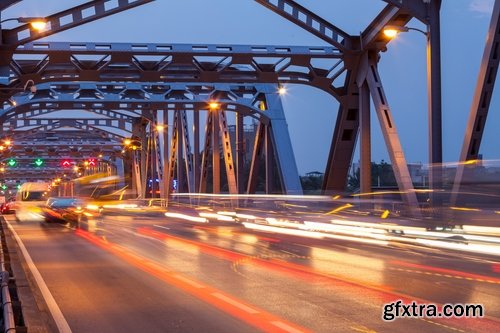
[{"x": 158, "y": 274}]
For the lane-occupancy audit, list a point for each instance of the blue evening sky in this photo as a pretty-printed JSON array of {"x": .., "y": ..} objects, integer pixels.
[{"x": 311, "y": 113}]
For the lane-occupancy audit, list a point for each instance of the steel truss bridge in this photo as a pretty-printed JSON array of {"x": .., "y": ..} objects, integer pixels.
[{"x": 177, "y": 101}]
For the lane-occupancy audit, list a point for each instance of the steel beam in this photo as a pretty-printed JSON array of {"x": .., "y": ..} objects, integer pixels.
[
  {"x": 483, "y": 94},
  {"x": 257, "y": 154},
  {"x": 309, "y": 21},
  {"x": 119, "y": 62},
  {"x": 396, "y": 154},
  {"x": 188, "y": 156},
  {"x": 215, "y": 151},
  {"x": 240, "y": 153},
  {"x": 344, "y": 139},
  {"x": 207, "y": 148},
  {"x": 285, "y": 158},
  {"x": 228, "y": 154},
  {"x": 434, "y": 100},
  {"x": 70, "y": 18},
  {"x": 365, "y": 172}
]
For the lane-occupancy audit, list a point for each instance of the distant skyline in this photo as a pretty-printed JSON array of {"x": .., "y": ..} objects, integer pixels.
[{"x": 311, "y": 113}]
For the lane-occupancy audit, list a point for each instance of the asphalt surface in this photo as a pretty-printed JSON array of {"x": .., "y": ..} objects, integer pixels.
[{"x": 157, "y": 274}]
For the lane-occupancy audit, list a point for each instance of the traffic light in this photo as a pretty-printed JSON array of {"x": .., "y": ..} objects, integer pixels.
[
  {"x": 4, "y": 187},
  {"x": 38, "y": 162},
  {"x": 66, "y": 163},
  {"x": 12, "y": 162}
]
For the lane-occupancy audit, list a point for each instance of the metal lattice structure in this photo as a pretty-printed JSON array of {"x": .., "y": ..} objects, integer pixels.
[{"x": 132, "y": 87}]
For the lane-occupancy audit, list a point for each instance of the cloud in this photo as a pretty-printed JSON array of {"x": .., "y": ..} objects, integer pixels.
[{"x": 481, "y": 6}]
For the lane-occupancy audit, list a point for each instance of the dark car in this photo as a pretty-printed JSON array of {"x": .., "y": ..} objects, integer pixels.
[
  {"x": 64, "y": 210},
  {"x": 8, "y": 207}
]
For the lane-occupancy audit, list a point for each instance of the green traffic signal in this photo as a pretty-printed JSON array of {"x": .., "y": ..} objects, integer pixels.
[
  {"x": 38, "y": 162},
  {"x": 12, "y": 162},
  {"x": 4, "y": 187}
]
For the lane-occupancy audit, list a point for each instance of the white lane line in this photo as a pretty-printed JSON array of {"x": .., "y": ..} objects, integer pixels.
[
  {"x": 160, "y": 226},
  {"x": 286, "y": 327},
  {"x": 235, "y": 303},
  {"x": 56, "y": 313}
]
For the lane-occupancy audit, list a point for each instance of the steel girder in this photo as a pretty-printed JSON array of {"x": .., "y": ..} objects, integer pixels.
[
  {"x": 120, "y": 62},
  {"x": 135, "y": 97},
  {"x": 309, "y": 21},
  {"x": 354, "y": 49},
  {"x": 481, "y": 100},
  {"x": 395, "y": 11},
  {"x": 4, "y": 4},
  {"x": 67, "y": 19}
]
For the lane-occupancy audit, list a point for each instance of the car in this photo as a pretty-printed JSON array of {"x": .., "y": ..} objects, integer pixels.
[
  {"x": 64, "y": 210},
  {"x": 8, "y": 207}
]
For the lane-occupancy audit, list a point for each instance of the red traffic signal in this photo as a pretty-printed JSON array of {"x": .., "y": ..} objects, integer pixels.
[{"x": 66, "y": 163}]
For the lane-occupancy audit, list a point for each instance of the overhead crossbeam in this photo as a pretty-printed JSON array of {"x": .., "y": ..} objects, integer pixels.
[
  {"x": 117, "y": 62},
  {"x": 135, "y": 97},
  {"x": 70, "y": 18},
  {"x": 309, "y": 21}
]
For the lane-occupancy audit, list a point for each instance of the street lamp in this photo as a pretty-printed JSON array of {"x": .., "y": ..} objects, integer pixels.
[
  {"x": 214, "y": 105},
  {"x": 133, "y": 144},
  {"x": 36, "y": 23},
  {"x": 392, "y": 31}
]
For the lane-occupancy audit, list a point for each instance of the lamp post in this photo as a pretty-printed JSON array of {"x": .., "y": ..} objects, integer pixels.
[{"x": 434, "y": 95}]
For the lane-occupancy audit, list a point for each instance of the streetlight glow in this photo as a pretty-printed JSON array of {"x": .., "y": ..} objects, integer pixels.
[
  {"x": 214, "y": 105},
  {"x": 282, "y": 91},
  {"x": 160, "y": 128},
  {"x": 390, "y": 32},
  {"x": 38, "y": 25},
  {"x": 127, "y": 142}
]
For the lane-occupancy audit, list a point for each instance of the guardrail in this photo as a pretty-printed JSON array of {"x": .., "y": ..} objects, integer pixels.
[
  {"x": 7, "y": 315},
  {"x": 9, "y": 324}
]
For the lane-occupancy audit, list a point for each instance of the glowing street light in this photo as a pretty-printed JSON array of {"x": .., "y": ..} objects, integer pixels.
[
  {"x": 282, "y": 91},
  {"x": 214, "y": 105},
  {"x": 36, "y": 23},
  {"x": 392, "y": 31},
  {"x": 160, "y": 128}
]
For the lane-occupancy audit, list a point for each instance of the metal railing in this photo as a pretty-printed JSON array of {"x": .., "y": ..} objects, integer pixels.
[{"x": 7, "y": 315}]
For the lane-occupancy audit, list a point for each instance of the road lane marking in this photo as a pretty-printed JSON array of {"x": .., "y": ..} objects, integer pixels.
[
  {"x": 236, "y": 303},
  {"x": 285, "y": 327},
  {"x": 445, "y": 275},
  {"x": 230, "y": 305},
  {"x": 160, "y": 226},
  {"x": 55, "y": 311},
  {"x": 438, "y": 270}
]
